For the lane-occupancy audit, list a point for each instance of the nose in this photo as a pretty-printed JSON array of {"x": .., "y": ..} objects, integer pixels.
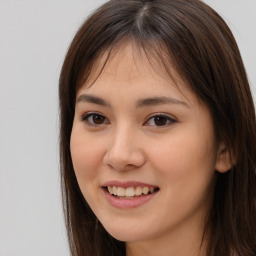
[{"x": 125, "y": 151}]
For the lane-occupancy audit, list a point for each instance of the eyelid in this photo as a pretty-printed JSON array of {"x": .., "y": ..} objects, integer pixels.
[
  {"x": 85, "y": 116},
  {"x": 169, "y": 117}
]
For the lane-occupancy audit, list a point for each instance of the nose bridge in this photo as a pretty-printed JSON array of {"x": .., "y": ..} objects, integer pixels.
[
  {"x": 124, "y": 149},
  {"x": 122, "y": 136}
]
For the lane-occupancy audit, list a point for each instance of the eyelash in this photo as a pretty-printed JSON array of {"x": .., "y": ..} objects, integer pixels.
[
  {"x": 169, "y": 120},
  {"x": 166, "y": 118},
  {"x": 85, "y": 118}
]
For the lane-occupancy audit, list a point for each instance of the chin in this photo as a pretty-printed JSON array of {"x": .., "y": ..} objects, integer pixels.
[{"x": 126, "y": 234}]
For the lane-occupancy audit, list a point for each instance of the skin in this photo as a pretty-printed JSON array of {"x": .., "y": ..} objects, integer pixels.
[{"x": 180, "y": 157}]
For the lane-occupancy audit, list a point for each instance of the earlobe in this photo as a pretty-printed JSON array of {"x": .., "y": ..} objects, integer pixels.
[{"x": 224, "y": 160}]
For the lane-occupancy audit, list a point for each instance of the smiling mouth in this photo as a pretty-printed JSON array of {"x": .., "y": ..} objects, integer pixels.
[{"x": 130, "y": 192}]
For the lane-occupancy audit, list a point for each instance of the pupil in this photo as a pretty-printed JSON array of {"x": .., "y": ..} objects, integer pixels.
[
  {"x": 159, "y": 120},
  {"x": 97, "y": 119}
]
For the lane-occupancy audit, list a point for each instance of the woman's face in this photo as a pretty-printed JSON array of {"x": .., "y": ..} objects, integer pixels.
[{"x": 137, "y": 136}]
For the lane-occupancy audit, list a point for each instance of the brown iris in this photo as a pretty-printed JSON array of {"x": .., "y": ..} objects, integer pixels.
[
  {"x": 160, "y": 120},
  {"x": 98, "y": 119}
]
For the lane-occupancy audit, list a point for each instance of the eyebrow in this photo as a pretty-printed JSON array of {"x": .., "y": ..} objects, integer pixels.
[
  {"x": 152, "y": 101},
  {"x": 92, "y": 99},
  {"x": 159, "y": 100}
]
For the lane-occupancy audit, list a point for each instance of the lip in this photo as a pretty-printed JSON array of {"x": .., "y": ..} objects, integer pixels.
[
  {"x": 127, "y": 203},
  {"x": 127, "y": 184}
]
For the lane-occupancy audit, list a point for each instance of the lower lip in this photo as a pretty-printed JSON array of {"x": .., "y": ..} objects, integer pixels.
[{"x": 128, "y": 203}]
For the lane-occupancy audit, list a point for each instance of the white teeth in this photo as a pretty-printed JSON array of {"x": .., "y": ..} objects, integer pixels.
[
  {"x": 110, "y": 190},
  {"x": 120, "y": 191},
  {"x": 129, "y": 192},
  {"x": 151, "y": 190},
  {"x": 114, "y": 191},
  {"x": 138, "y": 191},
  {"x": 145, "y": 190}
]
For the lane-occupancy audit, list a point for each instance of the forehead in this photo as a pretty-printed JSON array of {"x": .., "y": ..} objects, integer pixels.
[
  {"x": 128, "y": 61},
  {"x": 128, "y": 65}
]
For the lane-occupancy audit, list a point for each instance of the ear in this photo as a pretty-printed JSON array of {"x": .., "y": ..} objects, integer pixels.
[{"x": 225, "y": 159}]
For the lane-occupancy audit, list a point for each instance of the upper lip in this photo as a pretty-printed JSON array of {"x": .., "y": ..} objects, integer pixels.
[{"x": 127, "y": 184}]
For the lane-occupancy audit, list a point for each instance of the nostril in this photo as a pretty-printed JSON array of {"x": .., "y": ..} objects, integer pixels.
[{"x": 124, "y": 158}]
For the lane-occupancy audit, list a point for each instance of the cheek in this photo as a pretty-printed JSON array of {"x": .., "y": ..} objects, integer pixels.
[
  {"x": 185, "y": 166},
  {"x": 185, "y": 156},
  {"x": 86, "y": 153}
]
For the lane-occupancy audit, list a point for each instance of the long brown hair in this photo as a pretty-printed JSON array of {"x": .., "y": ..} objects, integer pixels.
[{"x": 199, "y": 44}]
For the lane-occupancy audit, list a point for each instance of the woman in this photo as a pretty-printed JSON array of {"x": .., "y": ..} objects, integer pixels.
[{"x": 158, "y": 134}]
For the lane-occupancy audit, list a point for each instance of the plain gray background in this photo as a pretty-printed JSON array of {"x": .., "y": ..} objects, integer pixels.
[{"x": 34, "y": 36}]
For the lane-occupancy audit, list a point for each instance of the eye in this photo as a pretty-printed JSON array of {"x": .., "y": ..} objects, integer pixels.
[
  {"x": 160, "y": 120},
  {"x": 94, "y": 119}
]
